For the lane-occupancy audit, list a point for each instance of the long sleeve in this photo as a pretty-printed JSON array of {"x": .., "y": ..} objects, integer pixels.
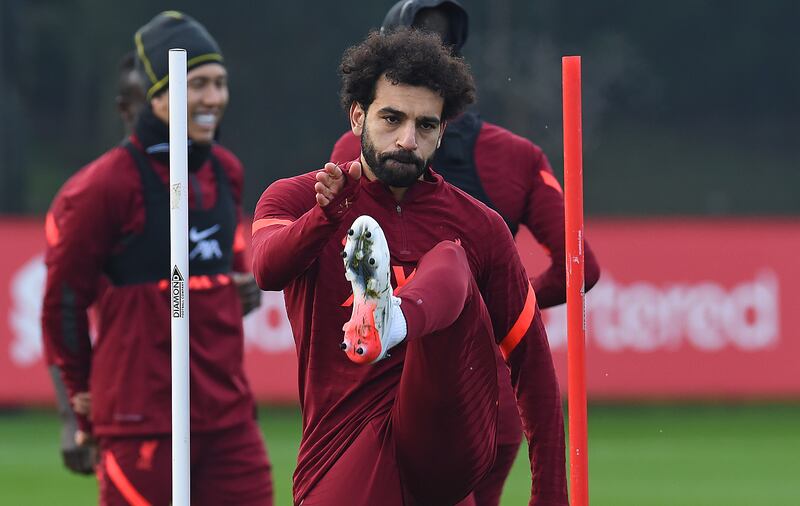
[
  {"x": 520, "y": 333},
  {"x": 290, "y": 229},
  {"x": 240, "y": 263},
  {"x": 80, "y": 233},
  {"x": 544, "y": 217}
]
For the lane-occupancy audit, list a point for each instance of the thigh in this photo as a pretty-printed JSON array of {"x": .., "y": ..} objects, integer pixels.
[
  {"x": 135, "y": 471},
  {"x": 445, "y": 416},
  {"x": 365, "y": 475},
  {"x": 490, "y": 488},
  {"x": 509, "y": 436},
  {"x": 230, "y": 467}
]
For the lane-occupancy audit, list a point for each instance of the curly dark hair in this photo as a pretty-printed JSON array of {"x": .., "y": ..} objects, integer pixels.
[{"x": 406, "y": 56}]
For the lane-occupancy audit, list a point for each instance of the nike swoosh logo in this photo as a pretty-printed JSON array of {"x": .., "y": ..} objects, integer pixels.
[{"x": 196, "y": 236}]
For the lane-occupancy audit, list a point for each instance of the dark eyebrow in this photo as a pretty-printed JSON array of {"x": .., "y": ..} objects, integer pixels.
[
  {"x": 392, "y": 110},
  {"x": 429, "y": 119},
  {"x": 422, "y": 119}
]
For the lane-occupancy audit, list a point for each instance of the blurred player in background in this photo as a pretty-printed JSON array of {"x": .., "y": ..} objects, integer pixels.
[
  {"x": 108, "y": 245},
  {"x": 414, "y": 419},
  {"x": 129, "y": 101},
  {"x": 509, "y": 174},
  {"x": 82, "y": 458}
]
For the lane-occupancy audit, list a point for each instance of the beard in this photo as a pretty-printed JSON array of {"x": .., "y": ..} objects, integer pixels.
[{"x": 399, "y": 169}]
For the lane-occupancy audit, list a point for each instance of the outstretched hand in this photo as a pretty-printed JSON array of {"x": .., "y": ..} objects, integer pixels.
[
  {"x": 78, "y": 448},
  {"x": 82, "y": 403},
  {"x": 83, "y": 456},
  {"x": 331, "y": 179},
  {"x": 249, "y": 292}
]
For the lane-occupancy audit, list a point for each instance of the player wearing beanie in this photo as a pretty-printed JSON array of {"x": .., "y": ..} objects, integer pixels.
[{"x": 108, "y": 226}]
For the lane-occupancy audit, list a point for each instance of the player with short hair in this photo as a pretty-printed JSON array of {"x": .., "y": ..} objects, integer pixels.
[
  {"x": 108, "y": 245},
  {"x": 506, "y": 172},
  {"x": 398, "y": 380}
]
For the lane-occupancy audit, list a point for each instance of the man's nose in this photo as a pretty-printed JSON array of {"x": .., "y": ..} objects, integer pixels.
[
  {"x": 213, "y": 95},
  {"x": 408, "y": 138}
]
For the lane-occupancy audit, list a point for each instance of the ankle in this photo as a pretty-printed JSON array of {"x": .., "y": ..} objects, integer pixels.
[{"x": 398, "y": 328}]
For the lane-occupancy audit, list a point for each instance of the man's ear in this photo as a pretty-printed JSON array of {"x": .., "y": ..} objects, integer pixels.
[
  {"x": 441, "y": 134},
  {"x": 357, "y": 117}
]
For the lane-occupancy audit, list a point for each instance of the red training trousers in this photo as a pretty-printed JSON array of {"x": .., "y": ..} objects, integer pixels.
[{"x": 228, "y": 467}]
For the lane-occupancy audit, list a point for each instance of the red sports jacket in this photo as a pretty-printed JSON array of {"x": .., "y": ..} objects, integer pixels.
[
  {"x": 127, "y": 369},
  {"x": 297, "y": 248}
]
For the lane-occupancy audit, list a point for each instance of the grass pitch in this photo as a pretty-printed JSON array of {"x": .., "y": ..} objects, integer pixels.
[{"x": 653, "y": 455}]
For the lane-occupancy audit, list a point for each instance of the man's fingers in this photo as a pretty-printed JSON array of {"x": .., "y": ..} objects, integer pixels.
[
  {"x": 322, "y": 200},
  {"x": 249, "y": 292},
  {"x": 324, "y": 190},
  {"x": 82, "y": 403},
  {"x": 331, "y": 179},
  {"x": 324, "y": 178},
  {"x": 334, "y": 170},
  {"x": 241, "y": 278},
  {"x": 82, "y": 438},
  {"x": 81, "y": 459},
  {"x": 355, "y": 170}
]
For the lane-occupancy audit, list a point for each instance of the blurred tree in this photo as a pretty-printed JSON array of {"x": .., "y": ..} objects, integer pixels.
[
  {"x": 12, "y": 127},
  {"x": 683, "y": 101}
]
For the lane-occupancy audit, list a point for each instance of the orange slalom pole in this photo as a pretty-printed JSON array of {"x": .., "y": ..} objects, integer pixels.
[{"x": 576, "y": 307}]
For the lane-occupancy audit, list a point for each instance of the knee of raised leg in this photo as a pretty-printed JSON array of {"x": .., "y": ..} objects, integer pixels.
[{"x": 454, "y": 251}]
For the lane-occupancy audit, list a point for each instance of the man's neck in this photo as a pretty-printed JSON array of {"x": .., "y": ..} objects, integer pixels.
[{"x": 397, "y": 192}]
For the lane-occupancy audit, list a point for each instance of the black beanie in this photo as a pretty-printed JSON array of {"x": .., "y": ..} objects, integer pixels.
[
  {"x": 404, "y": 13},
  {"x": 168, "y": 30}
]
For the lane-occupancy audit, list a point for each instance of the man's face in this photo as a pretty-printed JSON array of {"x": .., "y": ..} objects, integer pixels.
[
  {"x": 130, "y": 99},
  {"x": 400, "y": 132},
  {"x": 207, "y": 97}
]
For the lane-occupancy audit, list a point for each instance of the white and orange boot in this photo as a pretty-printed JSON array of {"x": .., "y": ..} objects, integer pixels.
[{"x": 377, "y": 323}]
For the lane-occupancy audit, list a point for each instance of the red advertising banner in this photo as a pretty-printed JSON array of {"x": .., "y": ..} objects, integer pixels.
[{"x": 684, "y": 308}]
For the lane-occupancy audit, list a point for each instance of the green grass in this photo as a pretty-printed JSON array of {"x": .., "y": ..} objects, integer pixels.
[{"x": 687, "y": 455}]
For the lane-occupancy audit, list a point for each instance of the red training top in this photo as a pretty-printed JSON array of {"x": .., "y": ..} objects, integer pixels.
[
  {"x": 127, "y": 369},
  {"x": 297, "y": 248}
]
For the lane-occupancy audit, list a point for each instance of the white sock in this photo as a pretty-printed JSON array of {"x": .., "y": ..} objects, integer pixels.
[{"x": 398, "y": 329}]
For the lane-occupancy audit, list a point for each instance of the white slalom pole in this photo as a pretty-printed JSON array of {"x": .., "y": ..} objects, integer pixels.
[{"x": 179, "y": 274}]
